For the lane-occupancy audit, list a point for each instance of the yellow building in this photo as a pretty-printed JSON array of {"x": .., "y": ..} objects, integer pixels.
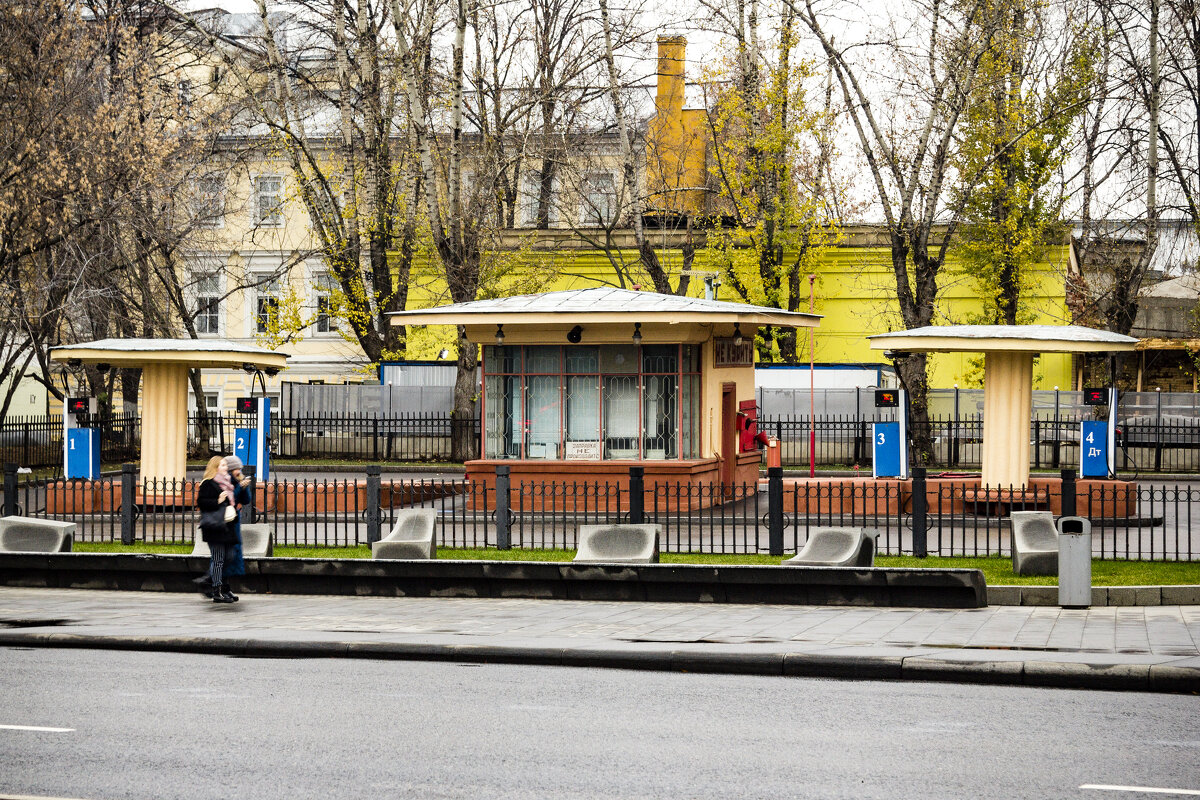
[{"x": 259, "y": 238}]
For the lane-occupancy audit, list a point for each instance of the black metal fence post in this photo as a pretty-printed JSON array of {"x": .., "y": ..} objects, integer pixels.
[
  {"x": 920, "y": 514},
  {"x": 373, "y": 511},
  {"x": 10, "y": 490},
  {"x": 503, "y": 519},
  {"x": 775, "y": 510},
  {"x": 1037, "y": 443},
  {"x": 1056, "y": 458},
  {"x": 1158, "y": 433},
  {"x": 128, "y": 492},
  {"x": 955, "y": 431},
  {"x": 637, "y": 495},
  {"x": 249, "y": 513},
  {"x": 1068, "y": 492}
]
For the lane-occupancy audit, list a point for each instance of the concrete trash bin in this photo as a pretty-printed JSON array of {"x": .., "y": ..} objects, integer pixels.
[{"x": 1074, "y": 562}]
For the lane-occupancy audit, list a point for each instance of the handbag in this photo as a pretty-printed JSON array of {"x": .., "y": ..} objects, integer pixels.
[
  {"x": 230, "y": 513},
  {"x": 213, "y": 522}
]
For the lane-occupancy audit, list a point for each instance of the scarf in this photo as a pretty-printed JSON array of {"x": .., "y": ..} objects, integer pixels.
[{"x": 224, "y": 480}]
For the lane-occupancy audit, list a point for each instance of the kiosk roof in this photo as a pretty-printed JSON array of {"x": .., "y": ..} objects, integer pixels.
[
  {"x": 192, "y": 352},
  {"x": 1021, "y": 338},
  {"x": 601, "y": 305}
]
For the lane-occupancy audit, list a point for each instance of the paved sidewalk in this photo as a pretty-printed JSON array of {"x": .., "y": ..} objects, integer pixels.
[{"x": 1154, "y": 648}]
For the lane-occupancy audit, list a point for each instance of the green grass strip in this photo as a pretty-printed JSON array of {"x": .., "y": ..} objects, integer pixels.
[{"x": 997, "y": 570}]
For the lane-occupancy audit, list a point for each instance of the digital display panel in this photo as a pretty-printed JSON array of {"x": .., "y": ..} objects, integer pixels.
[
  {"x": 77, "y": 405},
  {"x": 246, "y": 405},
  {"x": 1095, "y": 397},
  {"x": 887, "y": 398}
]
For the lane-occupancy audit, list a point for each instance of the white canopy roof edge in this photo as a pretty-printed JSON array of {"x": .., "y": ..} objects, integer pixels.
[{"x": 604, "y": 304}]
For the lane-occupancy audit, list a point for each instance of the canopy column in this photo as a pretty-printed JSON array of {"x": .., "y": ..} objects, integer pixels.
[
  {"x": 1007, "y": 408},
  {"x": 164, "y": 422}
]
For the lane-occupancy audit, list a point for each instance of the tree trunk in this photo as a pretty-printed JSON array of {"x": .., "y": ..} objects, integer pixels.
[
  {"x": 203, "y": 427},
  {"x": 464, "y": 444}
]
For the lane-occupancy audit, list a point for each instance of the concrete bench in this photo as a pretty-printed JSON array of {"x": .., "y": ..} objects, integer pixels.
[
  {"x": 1034, "y": 543},
  {"x": 837, "y": 547},
  {"x": 32, "y": 535},
  {"x": 411, "y": 536},
  {"x": 258, "y": 541},
  {"x": 618, "y": 544}
]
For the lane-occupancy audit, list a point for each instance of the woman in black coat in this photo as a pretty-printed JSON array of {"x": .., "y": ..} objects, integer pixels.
[{"x": 215, "y": 495}]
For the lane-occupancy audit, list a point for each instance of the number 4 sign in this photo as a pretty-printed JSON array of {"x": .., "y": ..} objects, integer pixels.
[{"x": 1093, "y": 449}]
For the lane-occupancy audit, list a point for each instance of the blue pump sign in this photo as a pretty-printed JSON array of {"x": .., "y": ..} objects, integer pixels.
[{"x": 1093, "y": 449}]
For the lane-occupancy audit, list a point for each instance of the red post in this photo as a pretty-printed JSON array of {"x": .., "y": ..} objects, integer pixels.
[
  {"x": 774, "y": 456},
  {"x": 812, "y": 402}
]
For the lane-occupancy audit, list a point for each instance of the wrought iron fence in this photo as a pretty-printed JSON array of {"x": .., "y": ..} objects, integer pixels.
[
  {"x": 936, "y": 515},
  {"x": 410, "y": 437},
  {"x": 1146, "y": 444}
]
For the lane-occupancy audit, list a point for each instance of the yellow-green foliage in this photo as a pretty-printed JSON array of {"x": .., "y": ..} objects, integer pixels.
[
  {"x": 764, "y": 140},
  {"x": 1016, "y": 130}
]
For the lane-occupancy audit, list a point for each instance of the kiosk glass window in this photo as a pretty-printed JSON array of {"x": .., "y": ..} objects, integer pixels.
[
  {"x": 544, "y": 416},
  {"x": 581, "y": 422},
  {"x": 689, "y": 411},
  {"x": 598, "y": 401},
  {"x": 503, "y": 417},
  {"x": 542, "y": 359},
  {"x": 503, "y": 399}
]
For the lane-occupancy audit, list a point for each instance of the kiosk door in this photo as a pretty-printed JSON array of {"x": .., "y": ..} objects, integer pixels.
[{"x": 729, "y": 432}]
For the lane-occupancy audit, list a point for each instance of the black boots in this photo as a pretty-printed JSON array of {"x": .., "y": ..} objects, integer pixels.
[{"x": 221, "y": 594}]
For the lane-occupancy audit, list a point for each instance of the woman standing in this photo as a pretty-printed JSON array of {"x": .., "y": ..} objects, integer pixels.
[
  {"x": 213, "y": 498},
  {"x": 234, "y": 563}
]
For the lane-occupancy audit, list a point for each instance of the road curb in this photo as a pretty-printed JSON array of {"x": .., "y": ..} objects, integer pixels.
[{"x": 1158, "y": 678}]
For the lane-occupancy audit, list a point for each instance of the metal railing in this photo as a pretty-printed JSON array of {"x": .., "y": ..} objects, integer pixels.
[
  {"x": 1146, "y": 443},
  {"x": 926, "y": 515}
]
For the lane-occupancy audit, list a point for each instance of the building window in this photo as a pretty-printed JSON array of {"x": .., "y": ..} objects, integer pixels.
[
  {"x": 210, "y": 200},
  {"x": 599, "y": 200},
  {"x": 592, "y": 402},
  {"x": 529, "y": 199},
  {"x": 208, "y": 305},
  {"x": 266, "y": 306},
  {"x": 323, "y": 291},
  {"x": 268, "y": 194},
  {"x": 184, "y": 94},
  {"x": 212, "y": 402}
]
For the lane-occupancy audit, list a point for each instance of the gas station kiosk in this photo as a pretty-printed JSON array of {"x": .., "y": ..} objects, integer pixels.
[
  {"x": 1098, "y": 438},
  {"x": 890, "y": 439},
  {"x": 253, "y": 444},
  {"x": 81, "y": 442}
]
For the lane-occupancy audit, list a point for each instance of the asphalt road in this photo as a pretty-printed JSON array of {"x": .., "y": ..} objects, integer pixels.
[{"x": 152, "y": 725}]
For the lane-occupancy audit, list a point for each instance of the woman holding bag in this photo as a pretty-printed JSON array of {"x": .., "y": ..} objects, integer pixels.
[
  {"x": 214, "y": 499},
  {"x": 234, "y": 562}
]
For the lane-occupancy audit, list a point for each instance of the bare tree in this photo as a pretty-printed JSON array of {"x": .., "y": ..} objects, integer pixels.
[
  {"x": 629, "y": 197},
  {"x": 455, "y": 234},
  {"x": 105, "y": 137},
  {"x": 1179, "y": 100},
  {"x": 769, "y": 149},
  {"x": 911, "y": 165},
  {"x": 1119, "y": 192}
]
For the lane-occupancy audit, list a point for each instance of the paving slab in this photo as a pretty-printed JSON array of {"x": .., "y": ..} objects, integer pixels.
[{"x": 1153, "y": 648}]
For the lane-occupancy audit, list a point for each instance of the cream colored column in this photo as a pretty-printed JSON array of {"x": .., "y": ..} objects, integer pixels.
[
  {"x": 1007, "y": 405},
  {"x": 164, "y": 422}
]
